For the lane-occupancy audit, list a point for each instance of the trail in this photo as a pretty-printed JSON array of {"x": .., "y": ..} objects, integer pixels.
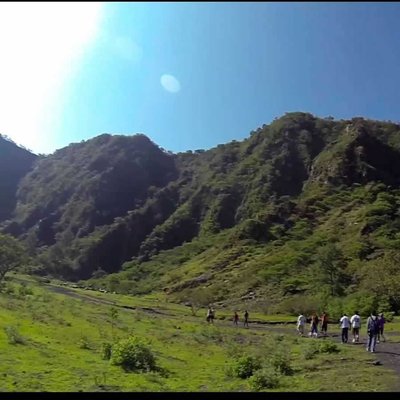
[
  {"x": 387, "y": 353},
  {"x": 91, "y": 299}
]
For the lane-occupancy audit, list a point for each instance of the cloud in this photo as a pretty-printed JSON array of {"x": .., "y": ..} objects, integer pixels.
[
  {"x": 41, "y": 45},
  {"x": 170, "y": 83},
  {"x": 128, "y": 49}
]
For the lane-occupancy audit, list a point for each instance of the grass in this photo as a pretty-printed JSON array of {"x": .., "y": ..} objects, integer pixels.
[
  {"x": 62, "y": 341},
  {"x": 162, "y": 303}
]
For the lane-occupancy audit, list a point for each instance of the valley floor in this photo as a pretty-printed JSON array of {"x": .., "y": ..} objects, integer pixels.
[{"x": 61, "y": 332}]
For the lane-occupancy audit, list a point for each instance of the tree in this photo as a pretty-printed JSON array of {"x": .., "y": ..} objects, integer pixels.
[
  {"x": 331, "y": 267},
  {"x": 12, "y": 254},
  {"x": 198, "y": 298},
  {"x": 382, "y": 278},
  {"x": 113, "y": 319},
  {"x": 99, "y": 273}
]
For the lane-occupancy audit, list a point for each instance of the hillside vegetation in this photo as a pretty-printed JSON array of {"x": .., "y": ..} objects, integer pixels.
[
  {"x": 302, "y": 214},
  {"x": 15, "y": 163},
  {"x": 53, "y": 342}
]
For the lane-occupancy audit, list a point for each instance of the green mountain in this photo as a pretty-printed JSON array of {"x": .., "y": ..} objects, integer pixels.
[
  {"x": 15, "y": 162},
  {"x": 303, "y": 212}
]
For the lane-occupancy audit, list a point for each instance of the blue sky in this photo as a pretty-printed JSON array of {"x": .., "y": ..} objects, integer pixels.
[{"x": 236, "y": 66}]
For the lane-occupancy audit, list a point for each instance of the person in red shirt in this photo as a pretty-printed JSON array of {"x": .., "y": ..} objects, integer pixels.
[{"x": 235, "y": 318}]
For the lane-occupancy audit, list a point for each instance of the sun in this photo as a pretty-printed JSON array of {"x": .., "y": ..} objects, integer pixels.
[{"x": 41, "y": 44}]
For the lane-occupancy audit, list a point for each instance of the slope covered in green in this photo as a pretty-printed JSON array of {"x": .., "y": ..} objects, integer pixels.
[
  {"x": 15, "y": 162},
  {"x": 305, "y": 210}
]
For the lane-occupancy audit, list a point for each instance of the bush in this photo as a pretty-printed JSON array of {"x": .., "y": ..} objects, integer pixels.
[
  {"x": 280, "y": 360},
  {"x": 24, "y": 290},
  {"x": 310, "y": 351},
  {"x": 279, "y": 337},
  {"x": 314, "y": 348},
  {"x": 106, "y": 350},
  {"x": 235, "y": 350},
  {"x": 245, "y": 366},
  {"x": 264, "y": 378},
  {"x": 9, "y": 288},
  {"x": 84, "y": 343},
  {"x": 13, "y": 336},
  {"x": 132, "y": 354},
  {"x": 299, "y": 304},
  {"x": 363, "y": 301},
  {"x": 328, "y": 347},
  {"x": 389, "y": 316}
]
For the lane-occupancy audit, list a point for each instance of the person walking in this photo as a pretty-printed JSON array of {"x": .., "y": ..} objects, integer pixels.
[
  {"x": 355, "y": 321},
  {"x": 314, "y": 325},
  {"x": 210, "y": 315},
  {"x": 372, "y": 330},
  {"x": 324, "y": 323},
  {"x": 301, "y": 321},
  {"x": 381, "y": 326},
  {"x": 236, "y": 318},
  {"x": 345, "y": 325},
  {"x": 246, "y": 319}
]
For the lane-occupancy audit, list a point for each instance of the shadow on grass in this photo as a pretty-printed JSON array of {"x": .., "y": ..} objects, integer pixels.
[{"x": 107, "y": 388}]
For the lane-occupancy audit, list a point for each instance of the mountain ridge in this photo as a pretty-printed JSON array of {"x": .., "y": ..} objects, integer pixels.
[{"x": 120, "y": 204}]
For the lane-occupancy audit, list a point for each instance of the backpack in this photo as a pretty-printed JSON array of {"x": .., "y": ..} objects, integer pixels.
[
  {"x": 356, "y": 321},
  {"x": 373, "y": 325}
]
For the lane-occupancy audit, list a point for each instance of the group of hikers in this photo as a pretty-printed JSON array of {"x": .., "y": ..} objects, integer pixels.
[
  {"x": 245, "y": 318},
  {"x": 211, "y": 315},
  {"x": 375, "y": 327}
]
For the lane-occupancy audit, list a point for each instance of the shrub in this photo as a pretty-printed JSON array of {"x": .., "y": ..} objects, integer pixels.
[
  {"x": 264, "y": 378},
  {"x": 24, "y": 290},
  {"x": 299, "y": 304},
  {"x": 314, "y": 348},
  {"x": 132, "y": 354},
  {"x": 363, "y": 301},
  {"x": 279, "y": 337},
  {"x": 106, "y": 350},
  {"x": 280, "y": 360},
  {"x": 245, "y": 366},
  {"x": 389, "y": 316},
  {"x": 84, "y": 343},
  {"x": 310, "y": 351},
  {"x": 13, "y": 336},
  {"x": 235, "y": 350},
  {"x": 9, "y": 288},
  {"x": 328, "y": 347}
]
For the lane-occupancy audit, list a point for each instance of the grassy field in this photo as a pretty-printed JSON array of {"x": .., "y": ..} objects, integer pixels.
[{"x": 61, "y": 341}]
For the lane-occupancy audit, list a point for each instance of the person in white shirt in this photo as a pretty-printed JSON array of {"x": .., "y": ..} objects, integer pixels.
[
  {"x": 355, "y": 321},
  {"x": 301, "y": 321},
  {"x": 345, "y": 325}
]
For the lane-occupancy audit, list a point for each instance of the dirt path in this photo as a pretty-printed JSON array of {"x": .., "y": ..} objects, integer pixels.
[
  {"x": 387, "y": 353},
  {"x": 87, "y": 297}
]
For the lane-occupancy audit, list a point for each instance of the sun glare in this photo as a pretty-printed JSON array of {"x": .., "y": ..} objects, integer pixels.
[
  {"x": 170, "y": 83},
  {"x": 40, "y": 45}
]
